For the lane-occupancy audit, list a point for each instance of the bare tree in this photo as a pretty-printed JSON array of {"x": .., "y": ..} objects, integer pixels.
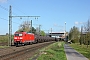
[{"x": 25, "y": 26}]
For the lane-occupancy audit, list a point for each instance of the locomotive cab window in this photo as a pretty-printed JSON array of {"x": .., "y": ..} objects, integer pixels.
[{"x": 18, "y": 34}]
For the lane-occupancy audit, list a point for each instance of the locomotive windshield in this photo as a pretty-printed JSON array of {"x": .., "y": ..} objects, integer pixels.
[{"x": 18, "y": 34}]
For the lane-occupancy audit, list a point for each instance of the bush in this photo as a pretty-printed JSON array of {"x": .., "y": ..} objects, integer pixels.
[{"x": 73, "y": 41}]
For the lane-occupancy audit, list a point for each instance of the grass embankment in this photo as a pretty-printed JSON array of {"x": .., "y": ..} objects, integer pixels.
[
  {"x": 3, "y": 38},
  {"x": 82, "y": 49},
  {"x": 53, "y": 52},
  {"x": 3, "y": 41},
  {"x": 4, "y": 46}
]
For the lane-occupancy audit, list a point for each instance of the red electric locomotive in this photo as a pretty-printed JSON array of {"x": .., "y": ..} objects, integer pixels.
[{"x": 23, "y": 38}]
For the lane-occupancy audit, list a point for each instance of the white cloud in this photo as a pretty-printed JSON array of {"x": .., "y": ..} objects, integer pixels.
[
  {"x": 3, "y": 1},
  {"x": 81, "y": 22},
  {"x": 76, "y": 23},
  {"x": 55, "y": 24}
]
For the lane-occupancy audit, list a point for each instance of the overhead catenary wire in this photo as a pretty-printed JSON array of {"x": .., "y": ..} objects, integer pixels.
[
  {"x": 4, "y": 19},
  {"x": 4, "y": 8},
  {"x": 8, "y": 20},
  {"x": 16, "y": 7},
  {"x": 15, "y": 22}
]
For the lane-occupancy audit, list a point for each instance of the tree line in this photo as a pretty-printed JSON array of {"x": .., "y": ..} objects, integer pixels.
[
  {"x": 82, "y": 35},
  {"x": 27, "y": 27}
]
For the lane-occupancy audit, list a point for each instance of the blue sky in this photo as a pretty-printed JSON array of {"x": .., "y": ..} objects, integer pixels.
[{"x": 53, "y": 13}]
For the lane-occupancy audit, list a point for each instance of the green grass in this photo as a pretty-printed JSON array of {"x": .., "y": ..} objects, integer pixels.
[
  {"x": 53, "y": 52},
  {"x": 3, "y": 38},
  {"x": 82, "y": 49},
  {"x": 4, "y": 46}
]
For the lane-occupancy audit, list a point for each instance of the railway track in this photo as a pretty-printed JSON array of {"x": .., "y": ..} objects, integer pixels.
[
  {"x": 3, "y": 43},
  {"x": 25, "y": 53}
]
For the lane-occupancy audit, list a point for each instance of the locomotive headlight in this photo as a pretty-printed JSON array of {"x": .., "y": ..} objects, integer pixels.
[
  {"x": 20, "y": 37},
  {"x": 15, "y": 38}
]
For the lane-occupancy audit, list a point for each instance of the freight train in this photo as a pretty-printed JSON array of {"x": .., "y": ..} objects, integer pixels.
[{"x": 23, "y": 38}]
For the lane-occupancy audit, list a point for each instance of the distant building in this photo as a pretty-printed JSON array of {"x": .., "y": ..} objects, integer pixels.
[{"x": 59, "y": 35}]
